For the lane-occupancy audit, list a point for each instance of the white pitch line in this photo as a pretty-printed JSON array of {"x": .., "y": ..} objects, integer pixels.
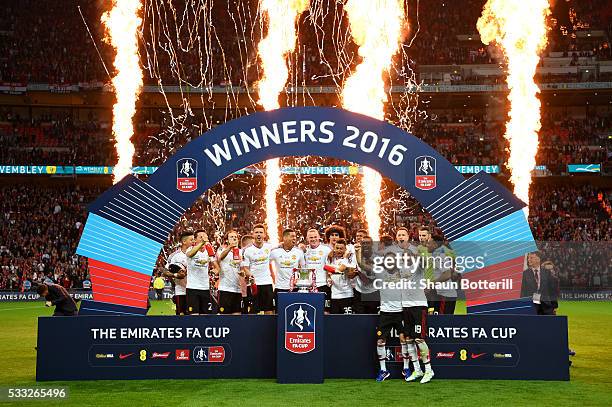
[{"x": 12, "y": 309}]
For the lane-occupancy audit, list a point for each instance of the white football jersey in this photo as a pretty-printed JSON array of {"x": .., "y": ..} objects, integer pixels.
[
  {"x": 197, "y": 271},
  {"x": 316, "y": 258},
  {"x": 229, "y": 276},
  {"x": 284, "y": 262},
  {"x": 342, "y": 287},
  {"x": 178, "y": 257},
  {"x": 414, "y": 294},
  {"x": 390, "y": 291},
  {"x": 257, "y": 260}
]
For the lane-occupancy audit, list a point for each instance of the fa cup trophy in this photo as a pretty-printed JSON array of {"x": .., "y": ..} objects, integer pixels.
[{"x": 305, "y": 280}]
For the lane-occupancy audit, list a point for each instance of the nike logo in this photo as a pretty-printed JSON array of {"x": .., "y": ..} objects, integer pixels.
[
  {"x": 477, "y": 355},
  {"x": 125, "y": 356}
]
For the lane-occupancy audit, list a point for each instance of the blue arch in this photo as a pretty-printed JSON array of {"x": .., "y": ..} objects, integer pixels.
[
  {"x": 141, "y": 214},
  {"x": 403, "y": 174}
]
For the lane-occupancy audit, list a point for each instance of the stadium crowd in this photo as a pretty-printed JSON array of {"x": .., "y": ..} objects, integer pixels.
[
  {"x": 576, "y": 213},
  {"x": 65, "y": 42},
  {"x": 41, "y": 225},
  {"x": 54, "y": 140},
  {"x": 568, "y": 140},
  {"x": 463, "y": 139}
]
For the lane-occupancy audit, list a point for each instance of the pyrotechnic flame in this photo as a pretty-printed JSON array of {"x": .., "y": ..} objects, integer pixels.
[
  {"x": 376, "y": 26},
  {"x": 122, "y": 24},
  {"x": 519, "y": 28},
  {"x": 273, "y": 182},
  {"x": 273, "y": 49}
]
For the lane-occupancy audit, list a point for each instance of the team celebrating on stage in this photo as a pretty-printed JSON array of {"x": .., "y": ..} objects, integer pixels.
[{"x": 245, "y": 275}]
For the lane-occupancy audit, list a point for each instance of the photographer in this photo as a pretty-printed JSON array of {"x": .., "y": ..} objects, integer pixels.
[{"x": 57, "y": 296}]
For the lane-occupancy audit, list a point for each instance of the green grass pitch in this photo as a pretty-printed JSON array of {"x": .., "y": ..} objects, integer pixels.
[{"x": 590, "y": 325}]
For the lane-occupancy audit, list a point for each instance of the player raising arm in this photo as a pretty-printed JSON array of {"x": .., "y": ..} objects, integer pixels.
[
  {"x": 199, "y": 259},
  {"x": 176, "y": 268},
  {"x": 391, "y": 312},
  {"x": 230, "y": 292},
  {"x": 366, "y": 298},
  {"x": 341, "y": 271},
  {"x": 256, "y": 262},
  {"x": 414, "y": 303}
]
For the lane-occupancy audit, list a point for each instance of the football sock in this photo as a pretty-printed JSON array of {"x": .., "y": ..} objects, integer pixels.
[
  {"x": 424, "y": 352},
  {"x": 412, "y": 352},
  {"x": 405, "y": 355},
  {"x": 382, "y": 356}
]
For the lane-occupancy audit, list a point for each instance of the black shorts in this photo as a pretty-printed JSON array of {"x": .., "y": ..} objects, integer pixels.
[
  {"x": 366, "y": 303},
  {"x": 388, "y": 321},
  {"x": 248, "y": 302},
  {"x": 432, "y": 298},
  {"x": 181, "y": 304},
  {"x": 214, "y": 301},
  {"x": 327, "y": 291},
  {"x": 230, "y": 303},
  {"x": 264, "y": 300},
  {"x": 445, "y": 305},
  {"x": 415, "y": 322},
  {"x": 342, "y": 306},
  {"x": 198, "y": 301}
]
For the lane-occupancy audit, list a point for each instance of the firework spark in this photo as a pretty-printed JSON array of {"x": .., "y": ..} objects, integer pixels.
[
  {"x": 273, "y": 49},
  {"x": 376, "y": 27},
  {"x": 519, "y": 28},
  {"x": 122, "y": 23}
]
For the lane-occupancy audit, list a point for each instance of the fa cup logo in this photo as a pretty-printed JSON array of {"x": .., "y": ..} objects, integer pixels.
[
  {"x": 300, "y": 327},
  {"x": 299, "y": 317},
  {"x": 186, "y": 175},
  {"x": 425, "y": 172}
]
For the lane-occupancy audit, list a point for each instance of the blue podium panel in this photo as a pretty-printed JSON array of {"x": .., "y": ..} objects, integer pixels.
[
  {"x": 156, "y": 347},
  {"x": 519, "y": 347},
  {"x": 249, "y": 346},
  {"x": 300, "y": 340}
]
